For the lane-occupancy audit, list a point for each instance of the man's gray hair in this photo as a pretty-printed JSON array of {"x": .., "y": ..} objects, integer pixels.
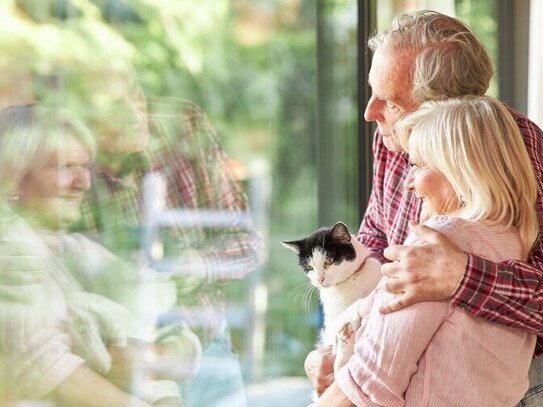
[{"x": 450, "y": 61}]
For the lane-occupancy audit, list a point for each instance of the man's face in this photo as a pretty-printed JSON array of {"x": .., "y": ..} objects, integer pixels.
[
  {"x": 121, "y": 124},
  {"x": 390, "y": 79}
]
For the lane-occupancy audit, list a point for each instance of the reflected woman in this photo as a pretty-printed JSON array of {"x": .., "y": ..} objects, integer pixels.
[{"x": 56, "y": 339}]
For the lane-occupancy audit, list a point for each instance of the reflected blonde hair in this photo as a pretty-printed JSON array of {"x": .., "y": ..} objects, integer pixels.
[
  {"x": 449, "y": 60},
  {"x": 29, "y": 135},
  {"x": 477, "y": 145}
]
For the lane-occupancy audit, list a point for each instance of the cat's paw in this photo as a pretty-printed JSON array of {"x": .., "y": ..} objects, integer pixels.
[
  {"x": 344, "y": 344},
  {"x": 346, "y": 332}
]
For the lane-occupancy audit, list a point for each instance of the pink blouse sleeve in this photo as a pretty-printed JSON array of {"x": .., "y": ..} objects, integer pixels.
[{"x": 388, "y": 350}]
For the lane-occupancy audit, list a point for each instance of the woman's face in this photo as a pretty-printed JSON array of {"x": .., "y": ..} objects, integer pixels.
[
  {"x": 430, "y": 185},
  {"x": 52, "y": 193}
]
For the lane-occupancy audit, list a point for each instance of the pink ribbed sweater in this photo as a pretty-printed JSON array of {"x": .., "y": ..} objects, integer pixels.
[{"x": 432, "y": 354}]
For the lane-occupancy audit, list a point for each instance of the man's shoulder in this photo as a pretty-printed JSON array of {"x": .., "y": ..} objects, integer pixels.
[{"x": 527, "y": 127}]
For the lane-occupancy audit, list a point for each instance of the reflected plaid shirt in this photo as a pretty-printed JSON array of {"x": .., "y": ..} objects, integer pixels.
[
  {"x": 509, "y": 293},
  {"x": 184, "y": 149}
]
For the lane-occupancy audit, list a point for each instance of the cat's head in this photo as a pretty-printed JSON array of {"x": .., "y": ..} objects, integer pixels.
[{"x": 327, "y": 256}]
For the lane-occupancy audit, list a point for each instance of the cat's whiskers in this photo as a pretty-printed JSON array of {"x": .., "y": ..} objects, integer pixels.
[
  {"x": 303, "y": 293},
  {"x": 298, "y": 290},
  {"x": 310, "y": 295}
]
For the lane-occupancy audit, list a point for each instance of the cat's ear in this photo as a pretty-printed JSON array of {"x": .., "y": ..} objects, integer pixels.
[
  {"x": 294, "y": 245},
  {"x": 340, "y": 233}
]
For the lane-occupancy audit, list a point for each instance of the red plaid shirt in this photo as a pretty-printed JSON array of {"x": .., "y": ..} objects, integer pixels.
[
  {"x": 509, "y": 293},
  {"x": 184, "y": 148}
]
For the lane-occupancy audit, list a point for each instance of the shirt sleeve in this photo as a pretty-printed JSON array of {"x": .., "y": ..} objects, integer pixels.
[
  {"x": 35, "y": 349},
  {"x": 32, "y": 340},
  {"x": 509, "y": 293},
  {"x": 387, "y": 352},
  {"x": 225, "y": 253}
]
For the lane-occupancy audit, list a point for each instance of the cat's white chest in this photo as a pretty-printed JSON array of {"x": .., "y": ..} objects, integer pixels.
[
  {"x": 333, "y": 304},
  {"x": 337, "y": 298}
]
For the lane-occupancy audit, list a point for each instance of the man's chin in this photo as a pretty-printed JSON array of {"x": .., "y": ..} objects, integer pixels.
[{"x": 392, "y": 144}]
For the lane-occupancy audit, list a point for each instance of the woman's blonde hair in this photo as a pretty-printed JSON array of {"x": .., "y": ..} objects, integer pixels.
[
  {"x": 477, "y": 145},
  {"x": 449, "y": 59},
  {"x": 29, "y": 135}
]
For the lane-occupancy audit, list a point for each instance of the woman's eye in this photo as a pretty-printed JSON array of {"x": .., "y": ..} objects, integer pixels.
[
  {"x": 418, "y": 167},
  {"x": 328, "y": 263}
]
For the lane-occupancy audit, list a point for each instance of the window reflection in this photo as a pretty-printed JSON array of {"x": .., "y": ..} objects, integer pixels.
[{"x": 167, "y": 90}]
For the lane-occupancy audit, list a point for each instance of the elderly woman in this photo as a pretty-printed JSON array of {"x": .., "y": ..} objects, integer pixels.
[
  {"x": 58, "y": 341},
  {"x": 471, "y": 171}
]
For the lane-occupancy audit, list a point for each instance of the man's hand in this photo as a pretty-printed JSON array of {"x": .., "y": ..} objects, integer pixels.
[
  {"x": 428, "y": 272},
  {"x": 319, "y": 368}
]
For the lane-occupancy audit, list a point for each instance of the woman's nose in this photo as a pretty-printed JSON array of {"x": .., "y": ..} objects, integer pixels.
[
  {"x": 82, "y": 179},
  {"x": 374, "y": 110}
]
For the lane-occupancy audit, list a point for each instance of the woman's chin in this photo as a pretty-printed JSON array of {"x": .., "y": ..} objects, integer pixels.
[
  {"x": 425, "y": 213},
  {"x": 63, "y": 220}
]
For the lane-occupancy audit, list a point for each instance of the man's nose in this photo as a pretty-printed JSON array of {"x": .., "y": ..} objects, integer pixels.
[{"x": 374, "y": 110}]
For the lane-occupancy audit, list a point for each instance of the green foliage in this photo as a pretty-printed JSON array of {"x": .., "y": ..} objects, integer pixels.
[{"x": 481, "y": 16}]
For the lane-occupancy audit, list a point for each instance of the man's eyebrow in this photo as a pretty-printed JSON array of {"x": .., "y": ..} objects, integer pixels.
[
  {"x": 373, "y": 91},
  {"x": 379, "y": 96}
]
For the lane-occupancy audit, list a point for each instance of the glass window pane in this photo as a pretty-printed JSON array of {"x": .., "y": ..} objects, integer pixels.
[{"x": 191, "y": 112}]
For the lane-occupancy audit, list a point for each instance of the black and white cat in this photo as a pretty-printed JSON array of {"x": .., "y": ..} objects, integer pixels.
[{"x": 340, "y": 268}]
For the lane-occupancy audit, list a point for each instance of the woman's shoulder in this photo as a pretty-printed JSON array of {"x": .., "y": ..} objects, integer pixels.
[
  {"x": 444, "y": 223},
  {"x": 454, "y": 224},
  {"x": 483, "y": 238}
]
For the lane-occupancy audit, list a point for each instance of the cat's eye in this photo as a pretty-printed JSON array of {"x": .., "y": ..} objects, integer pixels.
[{"x": 308, "y": 268}]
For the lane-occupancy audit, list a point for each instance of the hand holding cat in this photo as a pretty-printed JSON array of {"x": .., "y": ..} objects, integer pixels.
[
  {"x": 427, "y": 272},
  {"x": 319, "y": 367}
]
